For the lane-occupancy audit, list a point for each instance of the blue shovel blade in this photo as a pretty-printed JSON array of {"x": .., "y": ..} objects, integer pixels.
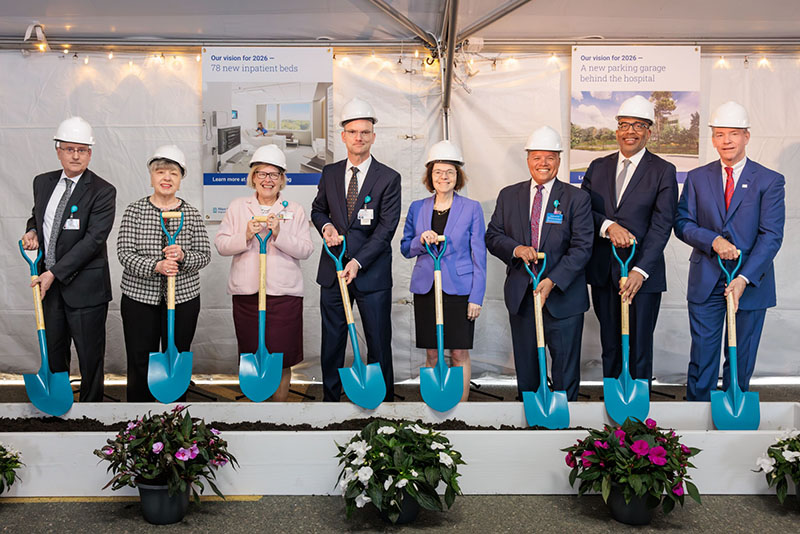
[
  {"x": 552, "y": 412},
  {"x": 169, "y": 380},
  {"x": 367, "y": 393},
  {"x": 50, "y": 393},
  {"x": 735, "y": 410},
  {"x": 624, "y": 402},
  {"x": 260, "y": 374},
  {"x": 444, "y": 394}
]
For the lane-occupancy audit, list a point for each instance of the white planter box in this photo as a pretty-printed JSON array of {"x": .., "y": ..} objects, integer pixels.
[{"x": 304, "y": 463}]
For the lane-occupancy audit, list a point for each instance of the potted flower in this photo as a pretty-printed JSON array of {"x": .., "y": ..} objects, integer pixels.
[
  {"x": 782, "y": 463},
  {"x": 635, "y": 467},
  {"x": 165, "y": 456},
  {"x": 397, "y": 467},
  {"x": 10, "y": 461}
]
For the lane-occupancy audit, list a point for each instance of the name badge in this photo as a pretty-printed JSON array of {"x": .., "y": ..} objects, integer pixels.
[
  {"x": 554, "y": 218},
  {"x": 286, "y": 215},
  {"x": 72, "y": 224},
  {"x": 365, "y": 216}
]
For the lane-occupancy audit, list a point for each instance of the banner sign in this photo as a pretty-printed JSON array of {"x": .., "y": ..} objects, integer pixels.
[
  {"x": 253, "y": 97},
  {"x": 605, "y": 76}
]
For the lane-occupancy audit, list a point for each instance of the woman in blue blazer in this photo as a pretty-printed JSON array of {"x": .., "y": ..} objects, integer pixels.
[{"x": 463, "y": 264}]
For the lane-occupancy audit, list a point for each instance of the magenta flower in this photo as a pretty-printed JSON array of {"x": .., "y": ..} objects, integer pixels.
[
  {"x": 178, "y": 408},
  {"x": 621, "y": 435},
  {"x": 640, "y": 447},
  {"x": 658, "y": 455},
  {"x": 650, "y": 423},
  {"x": 601, "y": 444},
  {"x": 585, "y": 459},
  {"x": 678, "y": 490},
  {"x": 158, "y": 447},
  {"x": 215, "y": 432},
  {"x": 182, "y": 454},
  {"x": 570, "y": 459},
  {"x": 132, "y": 425},
  {"x": 685, "y": 449},
  {"x": 131, "y": 437},
  {"x": 108, "y": 451},
  {"x": 193, "y": 452}
]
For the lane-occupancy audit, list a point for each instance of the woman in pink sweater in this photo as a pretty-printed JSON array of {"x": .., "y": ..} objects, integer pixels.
[{"x": 290, "y": 243}]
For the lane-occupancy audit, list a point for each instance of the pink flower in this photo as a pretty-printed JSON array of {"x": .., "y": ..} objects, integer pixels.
[
  {"x": 585, "y": 459},
  {"x": 158, "y": 447},
  {"x": 108, "y": 451},
  {"x": 661, "y": 440},
  {"x": 193, "y": 452},
  {"x": 621, "y": 435},
  {"x": 182, "y": 454},
  {"x": 131, "y": 437},
  {"x": 640, "y": 447},
  {"x": 685, "y": 449},
  {"x": 132, "y": 425},
  {"x": 658, "y": 455},
  {"x": 650, "y": 423},
  {"x": 211, "y": 442},
  {"x": 570, "y": 459},
  {"x": 601, "y": 444},
  {"x": 178, "y": 408},
  {"x": 678, "y": 490},
  {"x": 215, "y": 432}
]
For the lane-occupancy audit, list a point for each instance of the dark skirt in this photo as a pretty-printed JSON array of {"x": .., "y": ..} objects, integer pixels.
[
  {"x": 458, "y": 330},
  {"x": 284, "y": 326}
]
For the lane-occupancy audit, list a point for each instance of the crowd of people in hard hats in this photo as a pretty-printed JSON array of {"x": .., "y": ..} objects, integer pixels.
[{"x": 729, "y": 209}]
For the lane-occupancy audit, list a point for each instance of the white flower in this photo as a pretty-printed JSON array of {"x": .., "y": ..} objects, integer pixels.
[
  {"x": 414, "y": 473},
  {"x": 418, "y": 429},
  {"x": 789, "y": 434},
  {"x": 386, "y": 430},
  {"x": 364, "y": 474},
  {"x": 346, "y": 478},
  {"x": 791, "y": 456},
  {"x": 445, "y": 459},
  {"x": 361, "y": 500},
  {"x": 387, "y": 483},
  {"x": 436, "y": 445},
  {"x": 401, "y": 483},
  {"x": 359, "y": 447},
  {"x": 359, "y": 460},
  {"x": 766, "y": 464}
]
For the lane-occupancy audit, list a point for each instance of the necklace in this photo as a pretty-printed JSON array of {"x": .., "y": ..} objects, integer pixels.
[{"x": 441, "y": 212}]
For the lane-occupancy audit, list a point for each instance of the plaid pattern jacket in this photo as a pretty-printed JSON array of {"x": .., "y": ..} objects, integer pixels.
[{"x": 139, "y": 248}]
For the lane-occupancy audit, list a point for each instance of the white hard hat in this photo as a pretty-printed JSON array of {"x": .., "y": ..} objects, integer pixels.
[
  {"x": 730, "y": 115},
  {"x": 171, "y": 153},
  {"x": 445, "y": 151},
  {"x": 74, "y": 130},
  {"x": 544, "y": 138},
  {"x": 637, "y": 107},
  {"x": 269, "y": 155},
  {"x": 357, "y": 109}
]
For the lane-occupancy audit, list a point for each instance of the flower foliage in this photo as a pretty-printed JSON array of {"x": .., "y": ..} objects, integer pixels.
[
  {"x": 782, "y": 462},
  {"x": 10, "y": 461},
  {"x": 170, "y": 448},
  {"x": 638, "y": 457},
  {"x": 389, "y": 457}
]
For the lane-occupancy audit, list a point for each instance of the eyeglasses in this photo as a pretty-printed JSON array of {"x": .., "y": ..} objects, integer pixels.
[
  {"x": 72, "y": 151},
  {"x": 450, "y": 173},
  {"x": 271, "y": 175},
  {"x": 358, "y": 133},
  {"x": 637, "y": 126}
]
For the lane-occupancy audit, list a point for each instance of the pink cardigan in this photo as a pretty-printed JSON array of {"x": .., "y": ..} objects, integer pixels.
[{"x": 283, "y": 253}]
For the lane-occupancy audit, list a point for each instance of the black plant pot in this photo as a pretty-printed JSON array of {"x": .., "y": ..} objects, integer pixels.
[
  {"x": 409, "y": 509},
  {"x": 161, "y": 508},
  {"x": 639, "y": 511}
]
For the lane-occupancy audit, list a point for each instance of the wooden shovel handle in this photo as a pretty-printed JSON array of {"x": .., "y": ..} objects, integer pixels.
[{"x": 171, "y": 214}]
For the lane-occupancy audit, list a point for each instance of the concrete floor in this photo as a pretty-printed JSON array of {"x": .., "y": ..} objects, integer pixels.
[{"x": 480, "y": 514}]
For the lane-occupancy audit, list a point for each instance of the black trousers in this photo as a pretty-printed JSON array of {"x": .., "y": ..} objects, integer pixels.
[
  {"x": 375, "y": 308},
  {"x": 86, "y": 327},
  {"x": 145, "y": 329},
  {"x": 562, "y": 338},
  {"x": 643, "y": 314}
]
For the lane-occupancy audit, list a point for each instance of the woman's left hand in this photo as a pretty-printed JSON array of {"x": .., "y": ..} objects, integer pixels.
[
  {"x": 173, "y": 252},
  {"x": 473, "y": 311},
  {"x": 274, "y": 224}
]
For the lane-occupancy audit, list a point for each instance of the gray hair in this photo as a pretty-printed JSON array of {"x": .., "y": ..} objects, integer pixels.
[{"x": 163, "y": 163}]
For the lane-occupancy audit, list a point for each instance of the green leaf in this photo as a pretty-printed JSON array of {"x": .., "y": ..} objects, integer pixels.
[
  {"x": 668, "y": 505},
  {"x": 432, "y": 475},
  {"x": 692, "y": 490},
  {"x": 428, "y": 498},
  {"x": 572, "y": 476},
  {"x": 449, "y": 496},
  {"x": 606, "y": 488},
  {"x": 782, "y": 489},
  {"x": 375, "y": 492}
]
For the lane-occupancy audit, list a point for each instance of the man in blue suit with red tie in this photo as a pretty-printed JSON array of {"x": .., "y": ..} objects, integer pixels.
[
  {"x": 729, "y": 205},
  {"x": 359, "y": 198},
  {"x": 634, "y": 196},
  {"x": 544, "y": 215}
]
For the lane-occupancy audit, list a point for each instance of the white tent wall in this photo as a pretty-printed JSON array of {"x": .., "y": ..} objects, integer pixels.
[{"x": 134, "y": 109}]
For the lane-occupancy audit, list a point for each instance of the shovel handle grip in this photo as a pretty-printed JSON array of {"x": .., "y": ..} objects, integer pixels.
[
  {"x": 348, "y": 309},
  {"x": 625, "y": 310},
  {"x": 437, "y": 285},
  {"x": 731, "y": 321},
  {"x": 171, "y": 214},
  {"x": 537, "y": 305},
  {"x": 37, "y": 304},
  {"x": 260, "y": 218},
  {"x": 170, "y": 292}
]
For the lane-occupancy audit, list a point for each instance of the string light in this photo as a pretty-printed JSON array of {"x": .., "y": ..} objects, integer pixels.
[
  {"x": 722, "y": 63},
  {"x": 111, "y": 55},
  {"x": 416, "y": 53},
  {"x": 42, "y": 47},
  {"x": 764, "y": 63},
  {"x": 162, "y": 59},
  {"x": 130, "y": 63},
  {"x": 86, "y": 60},
  {"x": 197, "y": 58},
  {"x": 552, "y": 59}
]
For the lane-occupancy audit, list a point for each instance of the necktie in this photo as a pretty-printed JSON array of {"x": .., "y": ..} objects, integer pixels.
[
  {"x": 50, "y": 258},
  {"x": 536, "y": 212},
  {"x": 728, "y": 187},
  {"x": 621, "y": 178},
  {"x": 352, "y": 192}
]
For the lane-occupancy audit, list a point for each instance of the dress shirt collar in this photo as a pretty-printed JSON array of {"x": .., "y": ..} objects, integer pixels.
[{"x": 635, "y": 159}]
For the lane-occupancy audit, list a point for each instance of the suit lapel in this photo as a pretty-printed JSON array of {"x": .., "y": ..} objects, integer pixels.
[
  {"x": 340, "y": 195},
  {"x": 555, "y": 194},
  {"x": 715, "y": 186},
  {"x": 638, "y": 176},
  {"x": 366, "y": 187},
  {"x": 741, "y": 189},
  {"x": 425, "y": 214},
  {"x": 611, "y": 173},
  {"x": 455, "y": 212},
  {"x": 51, "y": 186},
  {"x": 524, "y": 206}
]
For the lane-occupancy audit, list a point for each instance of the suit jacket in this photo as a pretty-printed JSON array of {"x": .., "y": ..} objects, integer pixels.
[
  {"x": 464, "y": 260},
  {"x": 81, "y": 268},
  {"x": 369, "y": 244},
  {"x": 646, "y": 209},
  {"x": 753, "y": 223},
  {"x": 567, "y": 245}
]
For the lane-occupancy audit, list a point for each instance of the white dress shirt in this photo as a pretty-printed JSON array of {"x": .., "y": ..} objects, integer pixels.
[
  {"x": 52, "y": 204},
  {"x": 363, "y": 169},
  {"x": 548, "y": 187}
]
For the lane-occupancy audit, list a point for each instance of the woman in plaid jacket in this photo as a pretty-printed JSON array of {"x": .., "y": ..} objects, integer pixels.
[{"x": 147, "y": 261}]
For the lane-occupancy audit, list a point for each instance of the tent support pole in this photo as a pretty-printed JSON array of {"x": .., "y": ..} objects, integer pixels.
[
  {"x": 405, "y": 22},
  {"x": 446, "y": 65},
  {"x": 495, "y": 15}
]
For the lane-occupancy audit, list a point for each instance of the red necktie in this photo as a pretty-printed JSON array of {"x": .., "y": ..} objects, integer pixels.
[{"x": 728, "y": 187}]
